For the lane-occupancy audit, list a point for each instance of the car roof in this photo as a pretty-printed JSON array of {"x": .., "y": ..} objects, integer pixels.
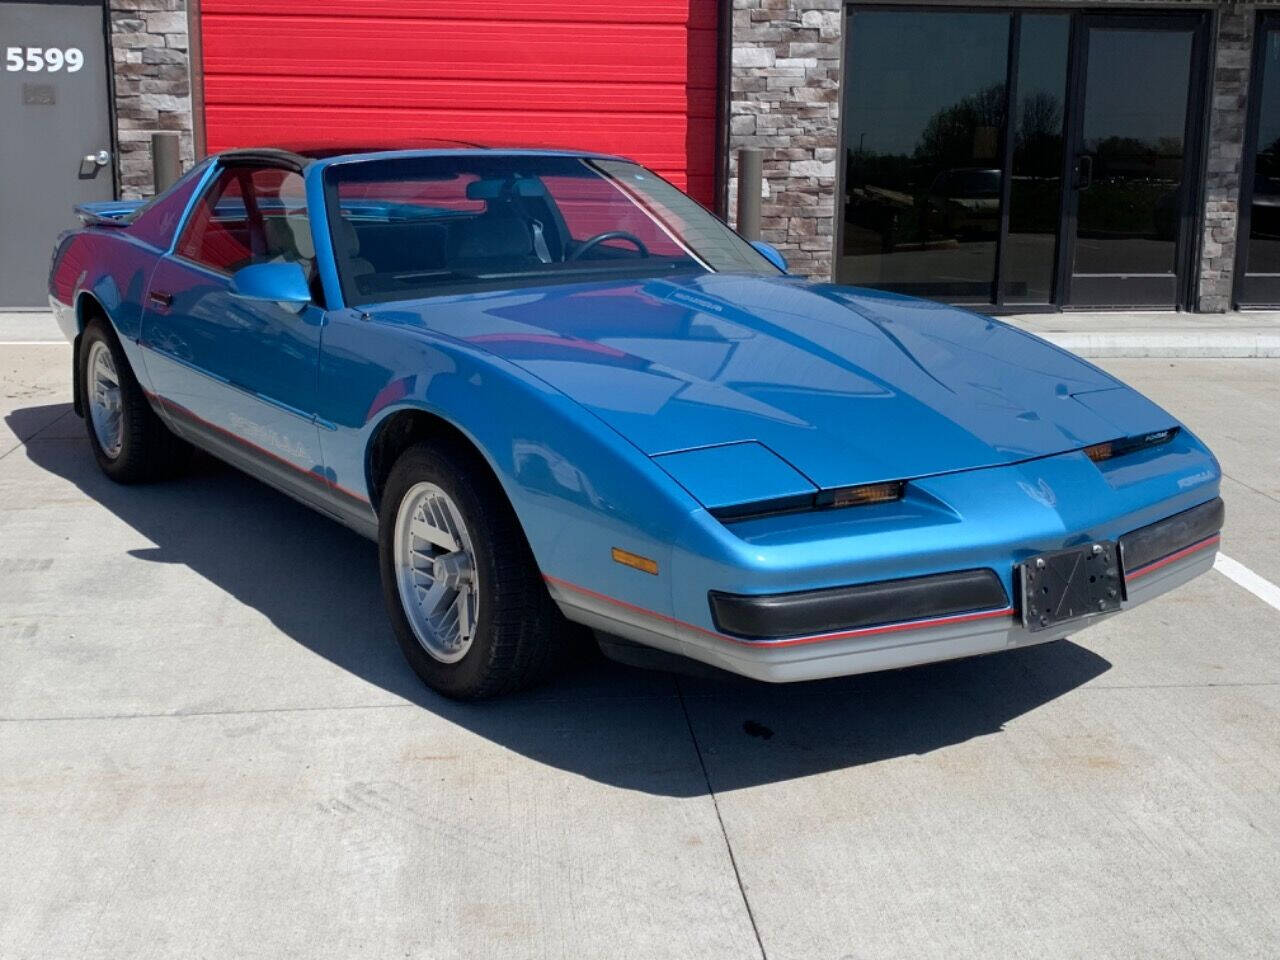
[{"x": 304, "y": 155}]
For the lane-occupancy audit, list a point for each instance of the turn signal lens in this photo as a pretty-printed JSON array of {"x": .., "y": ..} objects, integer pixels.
[
  {"x": 1118, "y": 448},
  {"x": 868, "y": 493},
  {"x": 635, "y": 561},
  {"x": 1099, "y": 452},
  {"x": 860, "y": 496}
]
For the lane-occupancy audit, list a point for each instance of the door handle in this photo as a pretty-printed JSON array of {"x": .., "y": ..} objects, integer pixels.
[
  {"x": 91, "y": 163},
  {"x": 1084, "y": 172},
  {"x": 160, "y": 298}
]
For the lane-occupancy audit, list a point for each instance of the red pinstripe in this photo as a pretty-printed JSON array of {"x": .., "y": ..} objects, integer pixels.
[
  {"x": 1164, "y": 561},
  {"x": 791, "y": 641},
  {"x": 184, "y": 412}
]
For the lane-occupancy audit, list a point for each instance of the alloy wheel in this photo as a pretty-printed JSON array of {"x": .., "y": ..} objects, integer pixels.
[
  {"x": 106, "y": 400},
  {"x": 436, "y": 572}
]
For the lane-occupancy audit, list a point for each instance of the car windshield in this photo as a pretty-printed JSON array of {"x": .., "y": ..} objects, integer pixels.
[{"x": 410, "y": 227}]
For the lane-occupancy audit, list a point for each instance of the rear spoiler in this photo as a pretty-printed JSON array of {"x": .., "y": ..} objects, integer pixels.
[{"x": 108, "y": 213}]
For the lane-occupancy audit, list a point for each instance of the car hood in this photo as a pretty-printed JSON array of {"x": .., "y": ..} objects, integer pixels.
[{"x": 848, "y": 386}]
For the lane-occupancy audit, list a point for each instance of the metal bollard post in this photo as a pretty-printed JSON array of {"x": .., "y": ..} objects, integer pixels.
[
  {"x": 750, "y": 184},
  {"x": 166, "y": 159}
]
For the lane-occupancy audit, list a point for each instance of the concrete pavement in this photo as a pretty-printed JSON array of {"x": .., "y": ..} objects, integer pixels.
[
  {"x": 22, "y": 326},
  {"x": 1110, "y": 334},
  {"x": 210, "y": 746}
]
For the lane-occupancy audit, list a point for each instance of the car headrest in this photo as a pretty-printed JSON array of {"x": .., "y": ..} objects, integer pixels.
[
  {"x": 493, "y": 189},
  {"x": 346, "y": 241}
]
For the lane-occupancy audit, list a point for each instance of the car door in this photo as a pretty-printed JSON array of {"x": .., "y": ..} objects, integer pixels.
[{"x": 229, "y": 370}]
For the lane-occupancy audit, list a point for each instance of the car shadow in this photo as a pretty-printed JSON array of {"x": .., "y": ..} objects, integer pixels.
[{"x": 317, "y": 582}]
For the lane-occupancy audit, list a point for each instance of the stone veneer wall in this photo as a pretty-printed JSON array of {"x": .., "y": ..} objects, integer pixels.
[
  {"x": 152, "y": 85},
  {"x": 1232, "y": 57},
  {"x": 784, "y": 98}
]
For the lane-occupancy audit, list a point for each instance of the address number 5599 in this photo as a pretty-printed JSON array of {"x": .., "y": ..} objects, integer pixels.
[{"x": 42, "y": 59}]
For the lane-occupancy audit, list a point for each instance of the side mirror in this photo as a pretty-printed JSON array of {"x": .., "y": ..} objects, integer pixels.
[
  {"x": 282, "y": 283},
  {"x": 770, "y": 253}
]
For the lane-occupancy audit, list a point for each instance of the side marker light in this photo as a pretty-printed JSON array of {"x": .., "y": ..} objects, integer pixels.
[{"x": 635, "y": 561}]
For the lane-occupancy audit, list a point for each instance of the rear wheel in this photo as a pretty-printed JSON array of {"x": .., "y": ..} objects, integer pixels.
[
  {"x": 464, "y": 595},
  {"x": 129, "y": 441}
]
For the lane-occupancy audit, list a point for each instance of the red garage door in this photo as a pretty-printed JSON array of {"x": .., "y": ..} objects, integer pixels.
[{"x": 635, "y": 78}]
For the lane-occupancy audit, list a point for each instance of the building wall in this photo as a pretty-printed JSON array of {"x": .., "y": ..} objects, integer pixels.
[
  {"x": 784, "y": 98},
  {"x": 152, "y": 74},
  {"x": 1233, "y": 52}
]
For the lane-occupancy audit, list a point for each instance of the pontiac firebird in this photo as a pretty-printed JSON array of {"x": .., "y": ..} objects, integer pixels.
[{"x": 552, "y": 387}]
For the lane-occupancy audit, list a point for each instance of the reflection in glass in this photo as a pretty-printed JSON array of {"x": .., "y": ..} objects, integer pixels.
[
  {"x": 1264, "y": 217},
  {"x": 1135, "y": 113},
  {"x": 1035, "y": 195},
  {"x": 924, "y": 106}
]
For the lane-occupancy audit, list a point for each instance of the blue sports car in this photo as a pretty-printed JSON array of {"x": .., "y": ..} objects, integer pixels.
[{"x": 553, "y": 388}]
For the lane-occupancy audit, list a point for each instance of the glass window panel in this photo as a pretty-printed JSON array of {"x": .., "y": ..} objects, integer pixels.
[
  {"x": 1135, "y": 115},
  {"x": 1035, "y": 193},
  {"x": 1264, "y": 216},
  {"x": 924, "y": 108},
  {"x": 229, "y": 230},
  {"x": 218, "y": 233}
]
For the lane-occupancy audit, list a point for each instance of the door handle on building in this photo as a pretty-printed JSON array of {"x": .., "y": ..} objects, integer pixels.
[
  {"x": 93, "y": 162},
  {"x": 1084, "y": 172}
]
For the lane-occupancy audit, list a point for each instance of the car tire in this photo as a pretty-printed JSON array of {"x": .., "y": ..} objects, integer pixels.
[
  {"x": 476, "y": 621},
  {"x": 129, "y": 441}
]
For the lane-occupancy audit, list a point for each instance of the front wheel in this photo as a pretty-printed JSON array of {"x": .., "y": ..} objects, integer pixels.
[{"x": 464, "y": 595}]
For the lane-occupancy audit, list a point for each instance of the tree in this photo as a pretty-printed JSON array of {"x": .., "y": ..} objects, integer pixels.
[
  {"x": 1041, "y": 118},
  {"x": 1038, "y": 143},
  {"x": 965, "y": 132}
]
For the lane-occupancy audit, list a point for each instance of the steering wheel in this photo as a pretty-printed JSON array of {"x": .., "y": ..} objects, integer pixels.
[{"x": 600, "y": 238}]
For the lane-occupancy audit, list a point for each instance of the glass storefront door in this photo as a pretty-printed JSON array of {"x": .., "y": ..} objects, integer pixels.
[
  {"x": 1258, "y": 257},
  {"x": 1131, "y": 194},
  {"x": 1021, "y": 158}
]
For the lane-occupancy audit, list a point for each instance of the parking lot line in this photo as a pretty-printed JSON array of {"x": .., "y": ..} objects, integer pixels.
[
  {"x": 34, "y": 343},
  {"x": 1260, "y": 587}
]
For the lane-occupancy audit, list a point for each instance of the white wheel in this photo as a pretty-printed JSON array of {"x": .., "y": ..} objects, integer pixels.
[
  {"x": 436, "y": 572},
  {"x": 466, "y": 600},
  {"x": 106, "y": 404},
  {"x": 128, "y": 440}
]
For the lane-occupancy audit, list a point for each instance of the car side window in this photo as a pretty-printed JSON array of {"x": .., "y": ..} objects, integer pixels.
[{"x": 250, "y": 215}]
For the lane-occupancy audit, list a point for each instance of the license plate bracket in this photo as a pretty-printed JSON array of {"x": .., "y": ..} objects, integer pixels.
[{"x": 1067, "y": 585}]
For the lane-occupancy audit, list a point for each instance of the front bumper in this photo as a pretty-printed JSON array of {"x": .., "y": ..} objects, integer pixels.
[
  {"x": 915, "y": 622},
  {"x": 1149, "y": 548},
  {"x": 811, "y": 613}
]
